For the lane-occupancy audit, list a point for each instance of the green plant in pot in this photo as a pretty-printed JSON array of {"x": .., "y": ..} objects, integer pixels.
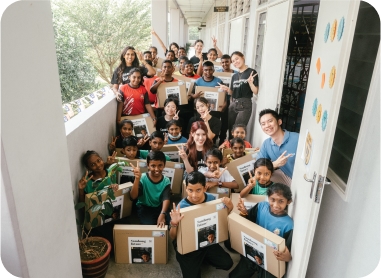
[{"x": 95, "y": 251}]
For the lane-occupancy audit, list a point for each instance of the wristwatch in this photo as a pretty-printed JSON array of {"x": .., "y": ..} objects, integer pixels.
[{"x": 219, "y": 184}]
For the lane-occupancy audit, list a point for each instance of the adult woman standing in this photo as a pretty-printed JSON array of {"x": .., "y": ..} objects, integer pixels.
[
  {"x": 173, "y": 46},
  {"x": 243, "y": 86},
  {"x": 128, "y": 61}
]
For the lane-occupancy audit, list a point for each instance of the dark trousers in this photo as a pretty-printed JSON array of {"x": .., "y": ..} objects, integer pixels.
[
  {"x": 246, "y": 268},
  {"x": 149, "y": 215},
  {"x": 214, "y": 254},
  {"x": 239, "y": 112}
]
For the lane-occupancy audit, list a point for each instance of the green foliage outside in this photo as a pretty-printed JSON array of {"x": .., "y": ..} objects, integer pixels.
[
  {"x": 94, "y": 32},
  {"x": 193, "y": 33}
]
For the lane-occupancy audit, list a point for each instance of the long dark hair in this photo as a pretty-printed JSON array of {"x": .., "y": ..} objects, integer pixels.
[{"x": 123, "y": 65}]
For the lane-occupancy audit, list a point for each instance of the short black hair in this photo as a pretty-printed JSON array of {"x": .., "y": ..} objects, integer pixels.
[
  {"x": 147, "y": 52},
  {"x": 146, "y": 253},
  {"x": 149, "y": 62},
  {"x": 130, "y": 141},
  {"x": 125, "y": 121},
  {"x": 226, "y": 56},
  {"x": 183, "y": 58},
  {"x": 212, "y": 49},
  {"x": 280, "y": 189},
  {"x": 238, "y": 125},
  {"x": 268, "y": 111},
  {"x": 188, "y": 62},
  {"x": 237, "y": 140},
  {"x": 174, "y": 122},
  {"x": 212, "y": 232},
  {"x": 156, "y": 134},
  {"x": 194, "y": 178},
  {"x": 167, "y": 61},
  {"x": 156, "y": 155},
  {"x": 175, "y": 101},
  {"x": 213, "y": 152},
  {"x": 264, "y": 162},
  {"x": 154, "y": 47},
  {"x": 208, "y": 64}
]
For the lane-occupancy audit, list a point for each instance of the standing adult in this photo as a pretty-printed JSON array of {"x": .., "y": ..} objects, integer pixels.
[
  {"x": 244, "y": 85},
  {"x": 199, "y": 56},
  {"x": 128, "y": 61}
]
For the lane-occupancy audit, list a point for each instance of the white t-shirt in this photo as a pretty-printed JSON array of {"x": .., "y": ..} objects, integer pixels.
[{"x": 226, "y": 177}]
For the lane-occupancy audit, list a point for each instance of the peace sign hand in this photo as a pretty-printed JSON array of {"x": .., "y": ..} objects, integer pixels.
[
  {"x": 223, "y": 87},
  {"x": 136, "y": 170},
  {"x": 176, "y": 215},
  {"x": 214, "y": 40},
  {"x": 111, "y": 159},
  {"x": 224, "y": 145},
  {"x": 182, "y": 152},
  {"x": 251, "y": 77},
  {"x": 83, "y": 181},
  {"x": 176, "y": 117},
  {"x": 241, "y": 207},
  {"x": 140, "y": 55},
  {"x": 112, "y": 145},
  {"x": 282, "y": 160},
  {"x": 217, "y": 174},
  {"x": 205, "y": 116},
  {"x": 252, "y": 180},
  {"x": 165, "y": 138}
]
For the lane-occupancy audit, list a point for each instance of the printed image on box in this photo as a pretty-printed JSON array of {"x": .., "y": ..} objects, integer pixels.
[
  {"x": 254, "y": 250},
  {"x": 206, "y": 227},
  {"x": 212, "y": 99},
  {"x": 169, "y": 173},
  {"x": 141, "y": 250},
  {"x": 173, "y": 156},
  {"x": 173, "y": 92},
  {"x": 127, "y": 174},
  {"x": 118, "y": 210},
  {"x": 244, "y": 171},
  {"x": 140, "y": 128}
]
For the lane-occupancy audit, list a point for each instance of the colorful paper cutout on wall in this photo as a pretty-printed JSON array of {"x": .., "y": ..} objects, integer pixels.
[
  {"x": 307, "y": 149},
  {"x": 332, "y": 77},
  {"x": 340, "y": 29},
  {"x": 318, "y": 65},
  {"x": 318, "y": 113},
  {"x": 314, "y": 107},
  {"x": 324, "y": 120},
  {"x": 322, "y": 80},
  {"x": 333, "y": 30},
  {"x": 326, "y": 33}
]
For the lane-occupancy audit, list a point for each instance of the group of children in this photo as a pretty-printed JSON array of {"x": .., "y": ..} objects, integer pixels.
[{"x": 152, "y": 190}]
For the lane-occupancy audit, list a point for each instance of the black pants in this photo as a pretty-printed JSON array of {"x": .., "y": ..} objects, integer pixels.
[
  {"x": 149, "y": 215},
  {"x": 246, "y": 268},
  {"x": 214, "y": 254},
  {"x": 239, "y": 112}
]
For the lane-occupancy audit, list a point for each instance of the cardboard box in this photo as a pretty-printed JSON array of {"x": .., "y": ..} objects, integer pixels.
[
  {"x": 219, "y": 192},
  {"x": 227, "y": 151},
  {"x": 250, "y": 239},
  {"x": 172, "y": 90},
  {"x": 217, "y": 65},
  {"x": 174, "y": 171},
  {"x": 119, "y": 152},
  {"x": 249, "y": 201},
  {"x": 189, "y": 82},
  {"x": 122, "y": 204},
  {"x": 140, "y": 122},
  {"x": 128, "y": 171},
  {"x": 130, "y": 241},
  {"x": 159, "y": 64},
  {"x": 214, "y": 96},
  {"x": 240, "y": 168},
  {"x": 172, "y": 151},
  {"x": 198, "y": 220},
  {"x": 226, "y": 77},
  {"x": 184, "y": 193}
]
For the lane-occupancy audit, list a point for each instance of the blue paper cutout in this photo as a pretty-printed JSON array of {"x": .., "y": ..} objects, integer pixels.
[
  {"x": 314, "y": 107},
  {"x": 326, "y": 33},
  {"x": 324, "y": 120},
  {"x": 340, "y": 30}
]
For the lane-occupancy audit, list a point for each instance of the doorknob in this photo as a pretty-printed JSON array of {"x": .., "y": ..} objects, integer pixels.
[
  {"x": 312, "y": 181},
  {"x": 319, "y": 189}
]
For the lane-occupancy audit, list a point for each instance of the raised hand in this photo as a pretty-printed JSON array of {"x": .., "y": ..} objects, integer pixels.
[
  {"x": 175, "y": 214},
  {"x": 241, "y": 207},
  {"x": 83, "y": 181},
  {"x": 136, "y": 170},
  {"x": 111, "y": 159},
  {"x": 176, "y": 117},
  {"x": 252, "y": 180},
  {"x": 222, "y": 86},
  {"x": 251, "y": 77},
  {"x": 214, "y": 40},
  {"x": 217, "y": 174},
  {"x": 143, "y": 140},
  {"x": 224, "y": 145},
  {"x": 197, "y": 95},
  {"x": 165, "y": 138},
  {"x": 182, "y": 152},
  {"x": 205, "y": 116},
  {"x": 140, "y": 55},
  {"x": 282, "y": 160},
  {"x": 112, "y": 145},
  {"x": 114, "y": 187}
]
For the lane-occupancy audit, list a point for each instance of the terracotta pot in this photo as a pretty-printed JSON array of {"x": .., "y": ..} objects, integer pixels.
[{"x": 97, "y": 268}]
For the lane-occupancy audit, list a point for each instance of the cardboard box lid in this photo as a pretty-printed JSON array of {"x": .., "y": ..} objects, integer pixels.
[
  {"x": 124, "y": 227},
  {"x": 171, "y": 89},
  {"x": 139, "y": 121},
  {"x": 174, "y": 171},
  {"x": 227, "y": 151},
  {"x": 189, "y": 82},
  {"x": 240, "y": 168},
  {"x": 249, "y": 201},
  {"x": 265, "y": 242},
  {"x": 226, "y": 77},
  {"x": 213, "y": 95}
]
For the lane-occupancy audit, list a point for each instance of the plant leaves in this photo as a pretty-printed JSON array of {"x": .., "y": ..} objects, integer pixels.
[
  {"x": 110, "y": 192},
  {"x": 79, "y": 205},
  {"x": 108, "y": 208},
  {"x": 96, "y": 207},
  {"x": 94, "y": 223},
  {"x": 93, "y": 201},
  {"x": 87, "y": 216},
  {"x": 99, "y": 198}
]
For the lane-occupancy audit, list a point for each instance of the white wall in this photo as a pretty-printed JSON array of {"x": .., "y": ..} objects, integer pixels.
[
  {"x": 174, "y": 28},
  {"x": 160, "y": 24},
  {"x": 36, "y": 173},
  {"x": 347, "y": 237}
]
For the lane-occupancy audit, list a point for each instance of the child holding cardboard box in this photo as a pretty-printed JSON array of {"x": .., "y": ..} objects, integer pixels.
[
  {"x": 263, "y": 169},
  {"x": 273, "y": 217},
  {"x": 152, "y": 190},
  {"x": 190, "y": 263}
]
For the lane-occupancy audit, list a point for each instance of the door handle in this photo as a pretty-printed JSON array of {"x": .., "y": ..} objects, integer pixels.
[{"x": 312, "y": 181}]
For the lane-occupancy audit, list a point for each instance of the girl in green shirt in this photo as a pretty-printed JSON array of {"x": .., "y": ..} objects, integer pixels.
[{"x": 258, "y": 184}]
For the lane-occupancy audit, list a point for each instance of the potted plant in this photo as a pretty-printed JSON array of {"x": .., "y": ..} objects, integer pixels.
[{"x": 95, "y": 251}]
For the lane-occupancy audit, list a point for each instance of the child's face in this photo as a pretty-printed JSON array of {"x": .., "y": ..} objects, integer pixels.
[
  {"x": 181, "y": 64},
  {"x": 174, "y": 48},
  {"x": 155, "y": 167},
  {"x": 211, "y": 238},
  {"x": 208, "y": 72},
  {"x": 147, "y": 56},
  {"x": 239, "y": 132},
  {"x": 156, "y": 144},
  {"x": 213, "y": 163},
  {"x": 167, "y": 68},
  {"x": 146, "y": 258},
  {"x": 170, "y": 56},
  {"x": 199, "y": 137},
  {"x": 174, "y": 130},
  {"x": 170, "y": 109},
  {"x": 201, "y": 108},
  {"x": 126, "y": 130},
  {"x": 130, "y": 151},
  {"x": 262, "y": 174},
  {"x": 95, "y": 164},
  {"x": 135, "y": 79},
  {"x": 278, "y": 203},
  {"x": 182, "y": 52},
  {"x": 189, "y": 69},
  {"x": 238, "y": 150},
  {"x": 226, "y": 64},
  {"x": 196, "y": 193},
  {"x": 212, "y": 56},
  {"x": 153, "y": 52}
]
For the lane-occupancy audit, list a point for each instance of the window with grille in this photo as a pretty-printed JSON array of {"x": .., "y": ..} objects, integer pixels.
[{"x": 260, "y": 39}]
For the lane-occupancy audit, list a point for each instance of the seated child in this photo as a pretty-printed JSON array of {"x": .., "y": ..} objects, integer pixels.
[
  {"x": 156, "y": 142},
  {"x": 130, "y": 150},
  {"x": 216, "y": 176},
  {"x": 152, "y": 190},
  {"x": 239, "y": 130},
  {"x": 214, "y": 254},
  {"x": 263, "y": 169},
  {"x": 125, "y": 130},
  {"x": 273, "y": 217},
  {"x": 238, "y": 148},
  {"x": 174, "y": 128}
]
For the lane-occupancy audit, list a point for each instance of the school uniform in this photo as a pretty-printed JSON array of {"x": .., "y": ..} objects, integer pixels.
[{"x": 214, "y": 254}]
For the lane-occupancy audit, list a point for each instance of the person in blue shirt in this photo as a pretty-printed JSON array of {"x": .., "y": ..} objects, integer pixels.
[
  {"x": 280, "y": 148},
  {"x": 174, "y": 128}
]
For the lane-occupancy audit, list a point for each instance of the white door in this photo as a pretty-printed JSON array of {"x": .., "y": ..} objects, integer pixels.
[{"x": 333, "y": 41}]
